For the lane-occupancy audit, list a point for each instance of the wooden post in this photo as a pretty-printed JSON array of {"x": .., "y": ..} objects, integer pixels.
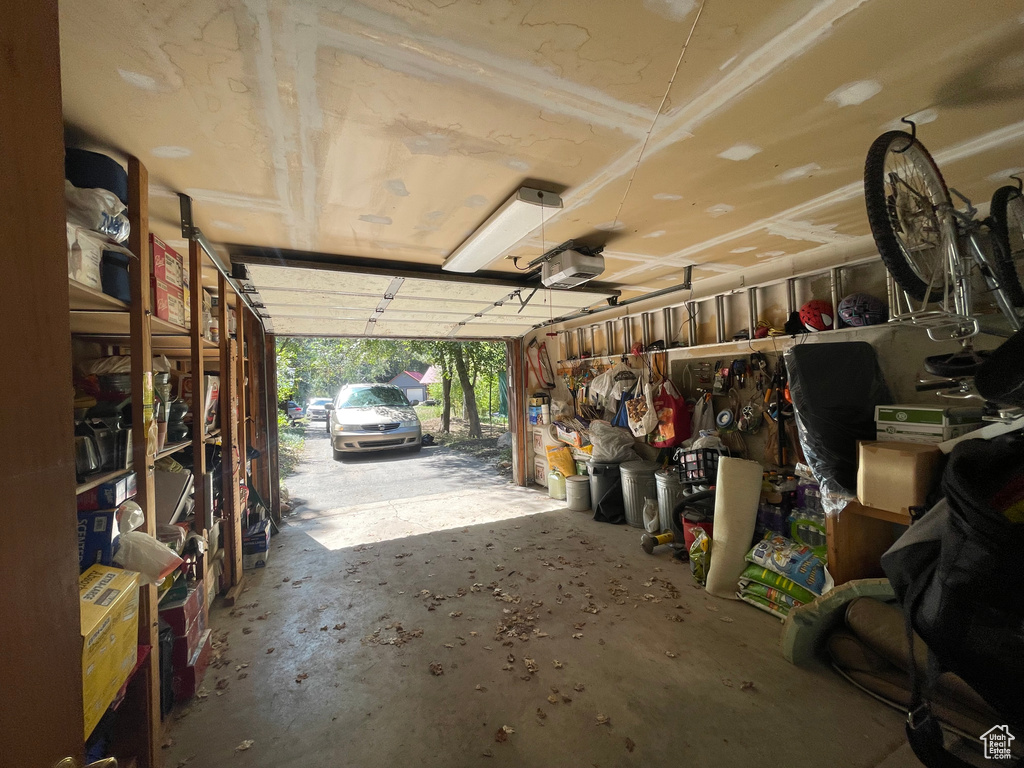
[
  {"x": 195, "y": 261},
  {"x": 270, "y": 369},
  {"x": 41, "y": 674},
  {"x": 238, "y": 476},
  {"x": 228, "y": 434},
  {"x": 257, "y": 415},
  {"x": 517, "y": 410},
  {"x": 145, "y": 731}
]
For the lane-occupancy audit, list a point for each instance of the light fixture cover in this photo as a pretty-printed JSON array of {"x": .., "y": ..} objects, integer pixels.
[{"x": 515, "y": 219}]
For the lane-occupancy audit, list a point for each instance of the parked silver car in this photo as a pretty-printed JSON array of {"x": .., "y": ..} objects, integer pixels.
[
  {"x": 315, "y": 410},
  {"x": 372, "y": 417}
]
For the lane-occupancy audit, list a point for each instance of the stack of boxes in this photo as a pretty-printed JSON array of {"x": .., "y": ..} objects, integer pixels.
[
  {"x": 97, "y": 520},
  {"x": 188, "y": 619},
  {"x": 109, "y": 601},
  {"x": 169, "y": 273}
]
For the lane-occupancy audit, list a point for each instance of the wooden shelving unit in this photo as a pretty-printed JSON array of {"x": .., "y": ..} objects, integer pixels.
[
  {"x": 96, "y": 480},
  {"x": 172, "y": 448}
]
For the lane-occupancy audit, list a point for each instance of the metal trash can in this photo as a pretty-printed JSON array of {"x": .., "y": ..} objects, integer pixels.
[
  {"x": 637, "y": 486},
  {"x": 670, "y": 492},
  {"x": 603, "y": 477},
  {"x": 577, "y": 493}
]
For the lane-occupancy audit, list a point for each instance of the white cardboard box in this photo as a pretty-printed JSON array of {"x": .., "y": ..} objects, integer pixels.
[{"x": 924, "y": 423}]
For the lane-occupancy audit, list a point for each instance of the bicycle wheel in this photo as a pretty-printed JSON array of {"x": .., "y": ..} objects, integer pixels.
[
  {"x": 902, "y": 189},
  {"x": 1007, "y": 225}
]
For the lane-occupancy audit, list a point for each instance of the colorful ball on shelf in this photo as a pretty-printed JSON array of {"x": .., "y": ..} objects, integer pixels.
[
  {"x": 859, "y": 309},
  {"x": 817, "y": 315}
]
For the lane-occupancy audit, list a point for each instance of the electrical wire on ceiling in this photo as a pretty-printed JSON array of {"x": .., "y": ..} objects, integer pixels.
[{"x": 664, "y": 100}]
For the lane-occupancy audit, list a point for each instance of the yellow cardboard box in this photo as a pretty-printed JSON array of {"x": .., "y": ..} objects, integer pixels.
[{"x": 110, "y": 635}]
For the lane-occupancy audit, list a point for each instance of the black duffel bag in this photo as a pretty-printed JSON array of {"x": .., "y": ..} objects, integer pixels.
[{"x": 959, "y": 574}]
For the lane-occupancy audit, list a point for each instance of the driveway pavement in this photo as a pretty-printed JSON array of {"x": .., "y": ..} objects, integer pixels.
[{"x": 391, "y": 494}]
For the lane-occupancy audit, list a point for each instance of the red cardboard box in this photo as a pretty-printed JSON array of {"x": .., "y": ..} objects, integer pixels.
[
  {"x": 167, "y": 263},
  {"x": 185, "y": 647},
  {"x": 188, "y": 679},
  {"x": 168, "y": 302},
  {"x": 180, "y": 614}
]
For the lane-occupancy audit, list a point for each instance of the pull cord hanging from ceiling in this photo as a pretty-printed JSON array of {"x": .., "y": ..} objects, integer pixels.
[{"x": 664, "y": 99}]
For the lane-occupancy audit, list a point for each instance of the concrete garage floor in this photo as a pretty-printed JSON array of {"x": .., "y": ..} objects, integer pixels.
[{"x": 361, "y": 645}]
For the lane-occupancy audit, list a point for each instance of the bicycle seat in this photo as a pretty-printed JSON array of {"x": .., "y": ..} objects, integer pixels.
[
  {"x": 958, "y": 365},
  {"x": 1001, "y": 377}
]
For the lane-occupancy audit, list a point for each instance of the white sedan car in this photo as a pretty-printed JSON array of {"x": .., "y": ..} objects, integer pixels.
[{"x": 372, "y": 417}]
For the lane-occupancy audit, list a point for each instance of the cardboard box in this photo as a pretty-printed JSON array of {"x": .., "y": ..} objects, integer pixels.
[
  {"x": 180, "y": 614},
  {"x": 167, "y": 263},
  {"x": 185, "y": 647},
  {"x": 924, "y": 423},
  {"x": 188, "y": 679},
  {"x": 85, "y": 252},
  {"x": 168, "y": 302},
  {"x": 251, "y": 560},
  {"x": 896, "y": 476},
  {"x": 108, "y": 495},
  {"x": 109, "y": 602},
  {"x": 97, "y": 538}
]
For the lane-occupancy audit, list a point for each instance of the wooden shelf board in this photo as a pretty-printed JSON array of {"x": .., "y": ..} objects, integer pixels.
[
  {"x": 173, "y": 448},
  {"x": 82, "y": 297},
  {"x": 99, "y": 480}
]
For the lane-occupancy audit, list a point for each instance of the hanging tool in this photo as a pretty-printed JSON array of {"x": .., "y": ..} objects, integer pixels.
[{"x": 739, "y": 373}]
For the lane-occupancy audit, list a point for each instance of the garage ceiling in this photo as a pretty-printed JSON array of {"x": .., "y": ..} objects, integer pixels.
[{"x": 390, "y": 130}]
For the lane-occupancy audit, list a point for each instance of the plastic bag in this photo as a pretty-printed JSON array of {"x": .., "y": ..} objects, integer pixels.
[
  {"x": 797, "y": 563},
  {"x": 651, "y": 522},
  {"x": 98, "y": 210},
  {"x": 673, "y": 417},
  {"x": 835, "y": 388},
  {"x": 643, "y": 418},
  {"x": 611, "y": 444},
  {"x": 560, "y": 458},
  {"x": 621, "y": 417},
  {"x": 138, "y": 551},
  {"x": 700, "y": 556}
]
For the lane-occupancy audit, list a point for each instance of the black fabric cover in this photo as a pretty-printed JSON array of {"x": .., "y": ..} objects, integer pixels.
[
  {"x": 958, "y": 572},
  {"x": 835, "y": 388},
  {"x": 611, "y": 508},
  {"x": 1001, "y": 377}
]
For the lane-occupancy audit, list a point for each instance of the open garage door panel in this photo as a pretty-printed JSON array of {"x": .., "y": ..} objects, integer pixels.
[{"x": 315, "y": 301}]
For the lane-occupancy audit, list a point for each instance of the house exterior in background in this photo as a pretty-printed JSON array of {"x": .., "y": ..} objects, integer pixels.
[{"x": 409, "y": 382}]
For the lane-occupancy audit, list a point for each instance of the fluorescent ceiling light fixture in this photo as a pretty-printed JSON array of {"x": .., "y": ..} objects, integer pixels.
[{"x": 515, "y": 219}]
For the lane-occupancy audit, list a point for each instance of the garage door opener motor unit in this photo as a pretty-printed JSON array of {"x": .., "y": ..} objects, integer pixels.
[{"x": 571, "y": 264}]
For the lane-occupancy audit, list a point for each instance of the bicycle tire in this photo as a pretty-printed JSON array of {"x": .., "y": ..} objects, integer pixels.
[
  {"x": 889, "y": 213},
  {"x": 1007, "y": 230}
]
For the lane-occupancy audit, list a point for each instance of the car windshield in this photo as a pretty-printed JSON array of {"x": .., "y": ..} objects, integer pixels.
[
  {"x": 368, "y": 397},
  {"x": 320, "y": 401}
]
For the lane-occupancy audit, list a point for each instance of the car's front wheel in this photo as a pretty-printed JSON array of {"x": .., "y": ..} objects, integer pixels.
[{"x": 338, "y": 455}]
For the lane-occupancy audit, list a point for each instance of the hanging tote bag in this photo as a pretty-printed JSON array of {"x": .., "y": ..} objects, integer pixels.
[
  {"x": 643, "y": 419},
  {"x": 673, "y": 417}
]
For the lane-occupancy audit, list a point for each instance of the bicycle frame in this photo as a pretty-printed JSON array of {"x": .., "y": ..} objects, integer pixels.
[{"x": 959, "y": 232}]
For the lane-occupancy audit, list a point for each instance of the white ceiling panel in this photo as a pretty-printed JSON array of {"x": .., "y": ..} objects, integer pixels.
[
  {"x": 441, "y": 289},
  {"x": 474, "y": 331},
  {"x": 301, "y": 326},
  {"x": 385, "y": 327},
  {"x": 317, "y": 279},
  {"x": 282, "y": 296},
  {"x": 327, "y": 313}
]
